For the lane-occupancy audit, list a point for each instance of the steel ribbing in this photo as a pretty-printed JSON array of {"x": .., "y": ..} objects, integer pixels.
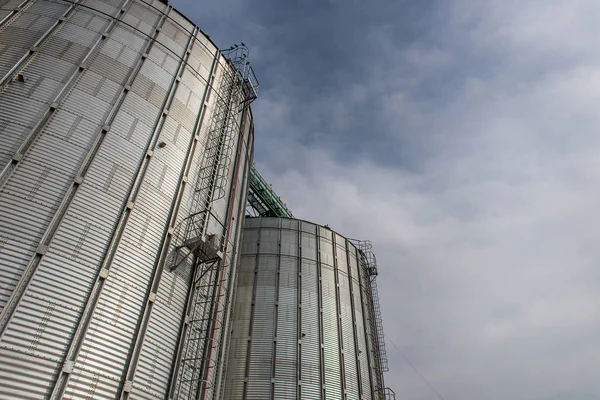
[
  {"x": 276, "y": 313},
  {"x": 4, "y": 174},
  {"x": 79, "y": 335},
  {"x": 235, "y": 258},
  {"x": 252, "y": 315},
  {"x": 29, "y": 271},
  {"x": 338, "y": 317},
  {"x": 15, "y": 12},
  {"x": 321, "y": 322},
  {"x": 133, "y": 358},
  {"x": 39, "y": 42},
  {"x": 184, "y": 325}
]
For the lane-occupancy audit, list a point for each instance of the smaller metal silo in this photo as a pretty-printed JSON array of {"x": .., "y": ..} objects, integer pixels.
[{"x": 304, "y": 323}]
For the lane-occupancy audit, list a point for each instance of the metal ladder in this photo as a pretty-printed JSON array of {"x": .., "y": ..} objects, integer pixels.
[
  {"x": 369, "y": 262},
  {"x": 203, "y": 250}
]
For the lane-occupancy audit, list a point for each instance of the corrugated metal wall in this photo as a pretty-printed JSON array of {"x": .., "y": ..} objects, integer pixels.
[
  {"x": 298, "y": 325},
  {"x": 104, "y": 106}
]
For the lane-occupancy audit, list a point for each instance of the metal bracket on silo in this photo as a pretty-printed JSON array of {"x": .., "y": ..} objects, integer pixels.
[{"x": 68, "y": 367}]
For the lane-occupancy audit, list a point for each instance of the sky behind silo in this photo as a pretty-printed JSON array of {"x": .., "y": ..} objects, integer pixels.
[{"x": 462, "y": 138}]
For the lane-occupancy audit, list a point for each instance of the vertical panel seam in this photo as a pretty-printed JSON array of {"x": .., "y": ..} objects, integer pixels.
[{"x": 338, "y": 317}]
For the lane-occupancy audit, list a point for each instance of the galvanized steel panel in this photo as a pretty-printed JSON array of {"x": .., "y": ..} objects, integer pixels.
[
  {"x": 311, "y": 341},
  {"x": 52, "y": 9},
  {"x": 144, "y": 13},
  {"x": 330, "y": 335},
  {"x": 23, "y": 375},
  {"x": 32, "y": 21},
  {"x": 22, "y": 38},
  {"x": 105, "y": 7},
  {"x": 9, "y": 4},
  {"x": 12, "y": 134},
  {"x": 286, "y": 362},
  {"x": 24, "y": 111}
]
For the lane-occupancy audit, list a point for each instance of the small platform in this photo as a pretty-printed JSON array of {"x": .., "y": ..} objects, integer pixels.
[{"x": 205, "y": 248}]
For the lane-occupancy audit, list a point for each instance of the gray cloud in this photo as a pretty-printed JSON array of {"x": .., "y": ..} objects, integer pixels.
[{"x": 461, "y": 137}]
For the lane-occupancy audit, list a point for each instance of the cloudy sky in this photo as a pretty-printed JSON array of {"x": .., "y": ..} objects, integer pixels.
[{"x": 461, "y": 137}]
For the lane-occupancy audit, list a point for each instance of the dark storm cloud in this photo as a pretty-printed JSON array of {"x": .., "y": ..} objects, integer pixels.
[
  {"x": 331, "y": 65},
  {"x": 460, "y": 136}
]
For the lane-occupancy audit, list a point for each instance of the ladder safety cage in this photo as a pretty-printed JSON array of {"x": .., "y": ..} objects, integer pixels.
[
  {"x": 199, "y": 238},
  {"x": 388, "y": 394},
  {"x": 369, "y": 261},
  {"x": 238, "y": 57}
]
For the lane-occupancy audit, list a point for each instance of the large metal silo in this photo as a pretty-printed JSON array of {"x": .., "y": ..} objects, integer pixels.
[
  {"x": 125, "y": 144},
  {"x": 304, "y": 322}
]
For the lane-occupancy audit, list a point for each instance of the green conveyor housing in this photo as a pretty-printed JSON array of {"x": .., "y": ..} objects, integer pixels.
[{"x": 263, "y": 199}]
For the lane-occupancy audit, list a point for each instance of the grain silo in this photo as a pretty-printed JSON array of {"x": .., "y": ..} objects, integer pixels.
[
  {"x": 126, "y": 139},
  {"x": 306, "y": 321}
]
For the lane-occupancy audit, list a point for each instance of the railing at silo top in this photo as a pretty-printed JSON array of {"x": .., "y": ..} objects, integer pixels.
[
  {"x": 263, "y": 199},
  {"x": 238, "y": 56}
]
